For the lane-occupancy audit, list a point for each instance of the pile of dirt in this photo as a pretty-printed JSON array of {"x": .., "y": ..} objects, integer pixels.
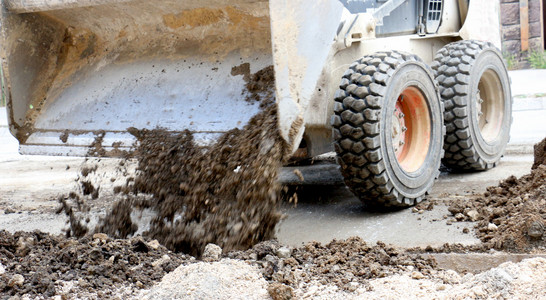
[
  {"x": 342, "y": 263},
  {"x": 512, "y": 215},
  {"x": 226, "y": 193},
  {"x": 40, "y": 264}
]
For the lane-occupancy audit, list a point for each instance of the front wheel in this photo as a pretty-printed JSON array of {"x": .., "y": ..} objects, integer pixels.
[{"x": 388, "y": 129}]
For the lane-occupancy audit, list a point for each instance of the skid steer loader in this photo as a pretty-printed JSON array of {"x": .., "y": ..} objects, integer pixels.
[{"x": 393, "y": 86}]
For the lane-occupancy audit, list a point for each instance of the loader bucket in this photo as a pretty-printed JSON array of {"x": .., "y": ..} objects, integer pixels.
[{"x": 79, "y": 72}]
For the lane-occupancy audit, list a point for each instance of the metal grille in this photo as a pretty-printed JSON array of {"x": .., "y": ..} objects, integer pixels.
[
  {"x": 434, "y": 12},
  {"x": 434, "y": 15}
]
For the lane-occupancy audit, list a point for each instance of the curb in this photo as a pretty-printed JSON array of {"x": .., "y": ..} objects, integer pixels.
[
  {"x": 477, "y": 262},
  {"x": 524, "y": 102},
  {"x": 519, "y": 150}
]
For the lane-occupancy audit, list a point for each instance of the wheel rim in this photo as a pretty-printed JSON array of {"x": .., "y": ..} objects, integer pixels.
[
  {"x": 490, "y": 105},
  {"x": 411, "y": 129}
]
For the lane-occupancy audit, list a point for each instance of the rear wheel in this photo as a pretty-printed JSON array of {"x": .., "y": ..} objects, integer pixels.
[
  {"x": 475, "y": 88},
  {"x": 388, "y": 129}
]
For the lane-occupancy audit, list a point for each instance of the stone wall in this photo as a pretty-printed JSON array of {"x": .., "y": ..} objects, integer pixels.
[{"x": 511, "y": 27}]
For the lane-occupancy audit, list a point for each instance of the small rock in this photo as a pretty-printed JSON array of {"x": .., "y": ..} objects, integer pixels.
[
  {"x": 2, "y": 269},
  {"x": 414, "y": 210},
  {"x": 8, "y": 211},
  {"x": 459, "y": 217},
  {"x": 96, "y": 255},
  {"x": 536, "y": 230},
  {"x": 279, "y": 291},
  {"x": 474, "y": 215},
  {"x": 57, "y": 297},
  {"x": 100, "y": 236},
  {"x": 153, "y": 244},
  {"x": 284, "y": 252},
  {"x": 478, "y": 291},
  {"x": 140, "y": 245},
  {"x": 492, "y": 227},
  {"x": 16, "y": 280},
  {"x": 23, "y": 246},
  {"x": 466, "y": 230},
  {"x": 455, "y": 209},
  {"x": 449, "y": 222},
  {"x": 417, "y": 275},
  {"x": 165, "y": 258},
  {"x": 441, "y": 287},
  {"x": 353, "y": 286},
  {"x": 212, "y": 253},
  {"x": 271, "y": 259}
]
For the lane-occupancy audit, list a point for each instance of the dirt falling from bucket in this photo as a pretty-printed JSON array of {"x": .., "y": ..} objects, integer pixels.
[{"x": 225, "y": 193}]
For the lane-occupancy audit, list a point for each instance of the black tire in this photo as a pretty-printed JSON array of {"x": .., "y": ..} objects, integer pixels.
[
  {"x": 477, "y": 132},
  {"x": 367, "y": 111}
]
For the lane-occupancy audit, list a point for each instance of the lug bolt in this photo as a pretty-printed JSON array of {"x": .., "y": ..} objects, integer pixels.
[
  {"x": 404, "y": 128},
  {"x": 401, "y": 143},
  {"x": 480, "y": 114},
  {"x": 480, "y": 100},
  {"x": 401, "y": 115}
]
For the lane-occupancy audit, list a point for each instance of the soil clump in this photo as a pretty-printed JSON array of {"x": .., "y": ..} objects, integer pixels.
[
  {"x": 44, "y": 264},
  {"x": 512, "y": 215},
  {"x": 342, "y": 263}
]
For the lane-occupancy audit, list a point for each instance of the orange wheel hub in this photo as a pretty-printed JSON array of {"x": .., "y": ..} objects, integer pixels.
[{"x": 411, "y": 129}]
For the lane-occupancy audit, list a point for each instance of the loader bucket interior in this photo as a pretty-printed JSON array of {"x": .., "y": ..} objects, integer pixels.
[{"x": 88, "y": 70}]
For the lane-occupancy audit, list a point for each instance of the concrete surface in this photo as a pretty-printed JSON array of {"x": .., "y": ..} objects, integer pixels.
[{"x": 327, "y": 212}]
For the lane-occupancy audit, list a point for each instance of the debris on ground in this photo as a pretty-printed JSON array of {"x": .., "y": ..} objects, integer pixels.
[
  {"x": 512, "y": 215},
  {"x": 40, "y": 264},
  {"x": 338, "y": 263}
]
